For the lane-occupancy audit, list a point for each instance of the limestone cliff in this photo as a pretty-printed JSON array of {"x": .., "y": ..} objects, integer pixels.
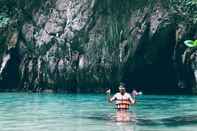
[{"x": 91, "y": 45}]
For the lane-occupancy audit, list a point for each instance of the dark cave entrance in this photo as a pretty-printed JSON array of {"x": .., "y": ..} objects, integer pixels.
[
  {"x": 151, "y": 70},
  {"x": 156, "y": 78},
  {"x": 10, "y": 75}
]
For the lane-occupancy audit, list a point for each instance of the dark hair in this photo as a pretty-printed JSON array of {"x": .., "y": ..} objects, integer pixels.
[{"x": 122, "y": 84}]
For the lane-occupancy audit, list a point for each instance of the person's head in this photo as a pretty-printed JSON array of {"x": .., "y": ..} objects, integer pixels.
[{"x": 122, "y": 88}]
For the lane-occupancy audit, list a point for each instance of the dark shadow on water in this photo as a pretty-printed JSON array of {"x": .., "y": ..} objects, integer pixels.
[
  {"x": 181, "y": 120},
  {"x": 111, "y": 117},
  {"x": 169, "y": 121}
]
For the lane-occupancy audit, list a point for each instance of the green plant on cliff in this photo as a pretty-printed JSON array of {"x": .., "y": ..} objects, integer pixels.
[
  {"x": 115, "y": 35},
  {"x": 4, "y": 20},
  {"x": 190, "y": 43},
  {"x": 2, "y": 45},
  {"x": 185, "y": 9}
]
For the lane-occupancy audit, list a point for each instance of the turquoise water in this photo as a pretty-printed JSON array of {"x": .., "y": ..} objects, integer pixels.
[{"x": 61, "y": 112}]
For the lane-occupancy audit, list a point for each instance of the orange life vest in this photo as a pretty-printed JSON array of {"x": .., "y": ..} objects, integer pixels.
[{"x": 122, "y": 104}]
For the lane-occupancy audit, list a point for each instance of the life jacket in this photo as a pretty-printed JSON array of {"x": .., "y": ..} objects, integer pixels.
[{"x": 122, "y": 104}]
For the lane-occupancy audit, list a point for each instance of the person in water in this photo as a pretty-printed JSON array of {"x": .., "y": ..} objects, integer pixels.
[{"x": 122, "y": 100}]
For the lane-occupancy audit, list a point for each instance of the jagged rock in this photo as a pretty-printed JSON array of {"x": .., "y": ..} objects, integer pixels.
[{"x": 91, "y": 45}]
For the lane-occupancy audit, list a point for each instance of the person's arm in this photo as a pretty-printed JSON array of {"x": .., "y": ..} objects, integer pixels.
[
  {"x": 109, "y": 98},
  {"x": 132, "y": 100},
  {"x": 108, "y": 92},
  {"x": 113, "y": 98}
]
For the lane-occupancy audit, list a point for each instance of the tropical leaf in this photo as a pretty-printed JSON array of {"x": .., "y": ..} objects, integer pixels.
[
  {"x": 189, "y": 43},
  {"x": 195, "y": 43}
]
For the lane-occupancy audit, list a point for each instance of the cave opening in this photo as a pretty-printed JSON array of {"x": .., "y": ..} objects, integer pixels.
[
  {"x": 151, "y": 70},
  {"x": 10, "y": 75},
  {"x": 155, "y": 78}
]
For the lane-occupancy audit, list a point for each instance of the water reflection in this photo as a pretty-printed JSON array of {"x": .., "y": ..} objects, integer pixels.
[
  {"x": 117, "y": 117},
  {"x": 126, "y": 127},
  {"x": 116, "y": 121},
  {"x": 125, "y": 116},
  {"x": 125, "y": 121}
]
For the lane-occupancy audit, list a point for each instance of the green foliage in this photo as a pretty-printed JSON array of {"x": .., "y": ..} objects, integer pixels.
[
  {"x": 185, "y": 9},
  {"x": 115, "y": 34},
  {"x": 121, "y": 7},
  {"x": 190, "y": 43},
  {"x": 4, "y": 21}
]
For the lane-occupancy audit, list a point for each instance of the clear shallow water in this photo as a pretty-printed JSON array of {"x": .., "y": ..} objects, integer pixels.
[{"x": 61, "y": 112}]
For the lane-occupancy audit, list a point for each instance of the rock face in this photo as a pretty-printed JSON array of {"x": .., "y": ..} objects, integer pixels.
[{"x": 91, "y": 45}]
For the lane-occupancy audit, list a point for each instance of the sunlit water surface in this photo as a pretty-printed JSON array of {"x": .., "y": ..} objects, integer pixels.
[{"x": 61, "y": 112}]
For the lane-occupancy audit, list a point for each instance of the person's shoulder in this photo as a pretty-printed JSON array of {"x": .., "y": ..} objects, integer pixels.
[{"x": 118, "y": 93}]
